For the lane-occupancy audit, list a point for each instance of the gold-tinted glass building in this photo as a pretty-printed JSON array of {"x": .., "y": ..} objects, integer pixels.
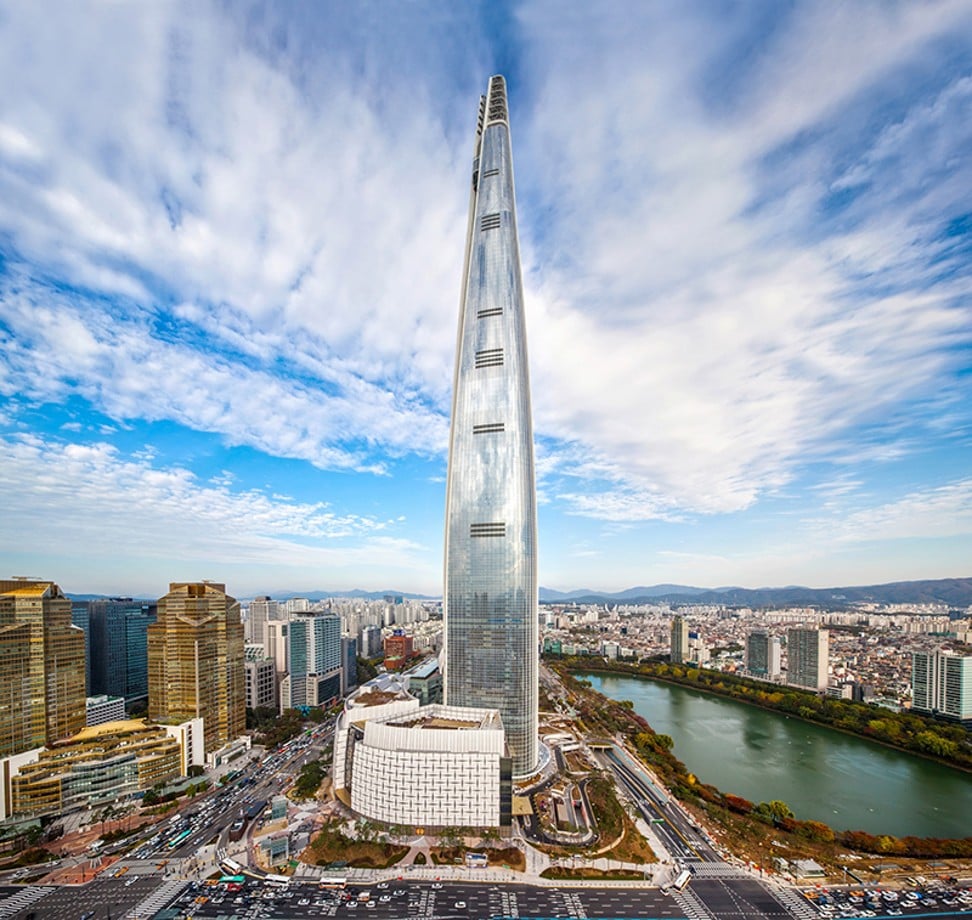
[
  {"x": 101, "y": 764},
  {"x": 195, "y": 661},
  {"x": 42, "y": 689}
]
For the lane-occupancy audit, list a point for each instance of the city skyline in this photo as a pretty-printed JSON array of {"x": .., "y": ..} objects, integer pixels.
[{"x": 228, "y": 276}]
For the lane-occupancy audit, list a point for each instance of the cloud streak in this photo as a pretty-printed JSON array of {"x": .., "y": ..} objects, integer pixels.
[{"x": 746, "y": 244}]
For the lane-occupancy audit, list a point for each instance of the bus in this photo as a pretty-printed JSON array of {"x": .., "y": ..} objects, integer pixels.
[
  {"x": 276, "y": 881},
  {"x": 684, "y": 877},
  {"x": 333, "y": 883},
  {"x": 175, "y": 841},
  {"x": 232, "y": 879}
]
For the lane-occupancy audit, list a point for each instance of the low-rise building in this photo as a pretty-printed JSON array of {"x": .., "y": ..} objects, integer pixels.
[
  {"x": 426, "y": 766},
  {"x": 104, "y": 708},
  {"x": 99, "y": 765}
]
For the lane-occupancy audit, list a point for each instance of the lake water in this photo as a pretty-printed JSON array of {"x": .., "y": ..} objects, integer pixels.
[{"x": 823, "y": 775}]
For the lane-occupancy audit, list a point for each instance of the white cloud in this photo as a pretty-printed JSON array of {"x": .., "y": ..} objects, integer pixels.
[
  {"x": 929, "y": 513},
  {"x": 88, "y": 501},
  {"x": 120, "y": 368},
  {"x": 279, "y": 234},
  {"x": 700, "y": 326}
]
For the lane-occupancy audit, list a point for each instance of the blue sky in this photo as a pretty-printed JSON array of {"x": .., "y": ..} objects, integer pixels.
[{"x": 230, "y": 253}]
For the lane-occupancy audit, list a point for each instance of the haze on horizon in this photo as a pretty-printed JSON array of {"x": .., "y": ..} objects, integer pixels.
[{"x": 230, "y": 255}]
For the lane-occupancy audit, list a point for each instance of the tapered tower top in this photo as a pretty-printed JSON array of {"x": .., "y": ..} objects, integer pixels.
[{"x": 496, "y": 101}]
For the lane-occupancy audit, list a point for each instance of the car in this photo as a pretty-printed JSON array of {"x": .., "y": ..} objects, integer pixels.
[
  {"x": 436, "y": 885},
  {"x": 459, "y": 905}
]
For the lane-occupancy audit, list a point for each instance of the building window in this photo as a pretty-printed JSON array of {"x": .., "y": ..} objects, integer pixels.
[
  {"x": 489, "y": 311},
  {"x": 491, "y": 428}
]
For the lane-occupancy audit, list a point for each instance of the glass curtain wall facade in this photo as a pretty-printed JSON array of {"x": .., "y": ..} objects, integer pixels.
[
  {"x": 491, "y": 632},
  {"x": 195, "y": 661},
  {"x": 119, "y": 647},
  {"x": 42, "y": 662}
]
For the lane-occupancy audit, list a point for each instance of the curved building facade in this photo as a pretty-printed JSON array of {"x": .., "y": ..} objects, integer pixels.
[
  {"x": 421, "y": 766},
  {"x": 491, "y": 656}
]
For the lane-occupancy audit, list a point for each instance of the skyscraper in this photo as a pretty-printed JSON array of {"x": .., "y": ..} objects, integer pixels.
[
  {"x": 763, "y": 654},
  {"x": 941, "y": 684},
  {"x": 313, "y": 660},
  {"x": 679, "y": 640},
  {"x": 195, "y": 661},
  {"x": 118, "y": 630},
  {"x": 42, "y": 690},
  {"x": 808, "y": 658},
  {"x": 491, "y": 632}
]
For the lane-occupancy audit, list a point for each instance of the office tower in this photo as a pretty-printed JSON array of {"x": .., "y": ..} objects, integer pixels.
[
  {"x": 763, "y": 655},
  {"x": 349, "y": 664},
  {"x": 260, "y": 610},
  {"x": 261, "y": 680},
  {"x": 679, "y": 640},
  {"x": 42, "y": 691},
  {"x": 313, "y": 661},
  {"x": 195, "y": 661},
  {"x": 808, "y": 658},
  {"x": 296, "y": 605},
  {"x": 490, "y": 598},
  {"x": 118, "y": 631},
  {"x": 79, "y": 618},
  {"x": 276, "y": 645},
  {"x": 941, "y": 684}
]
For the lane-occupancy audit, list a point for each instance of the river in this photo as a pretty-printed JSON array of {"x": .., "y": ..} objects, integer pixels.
[{"x": 823, "y": 775}]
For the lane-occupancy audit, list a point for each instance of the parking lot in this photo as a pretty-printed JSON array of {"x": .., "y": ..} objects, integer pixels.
[{"x": 930, "y": 897}]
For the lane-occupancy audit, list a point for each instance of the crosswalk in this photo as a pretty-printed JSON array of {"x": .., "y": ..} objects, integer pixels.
[
  {"x": 717, "y": 870},
  {"x": 691, "y": 905},
  {"x": 158, "y": 899},
  {"x": 23, "y": 898},
  {"x": 795, "y": 903}
]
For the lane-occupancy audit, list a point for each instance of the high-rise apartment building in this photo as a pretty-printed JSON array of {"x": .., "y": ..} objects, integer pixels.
[
  {"x": 808, "y": 658},
  {"x": 118, "y": 630},
  {"x": 941, "y": 684},
  {"x": 42, "y": 685},
  {"x": 370, "y": 641},
  {"x": 764, "y": 655},
  {"x": 490, "y": 599},
  {"x": 195, "y": 661},
  {"x": 679, "y": 640}
]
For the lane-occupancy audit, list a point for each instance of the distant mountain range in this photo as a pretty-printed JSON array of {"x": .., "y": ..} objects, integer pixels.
[
  {"x": 284, "y": 595},
  {"x": 956, "y": 592}
]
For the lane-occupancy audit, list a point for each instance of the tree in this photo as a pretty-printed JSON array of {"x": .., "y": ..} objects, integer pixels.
[{"x": 773, "y": 812}]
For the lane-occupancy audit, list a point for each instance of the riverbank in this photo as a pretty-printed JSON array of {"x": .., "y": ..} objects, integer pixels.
[
  {"x": 762, "y": 822},
  {"x": 855, "y": 719}
]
